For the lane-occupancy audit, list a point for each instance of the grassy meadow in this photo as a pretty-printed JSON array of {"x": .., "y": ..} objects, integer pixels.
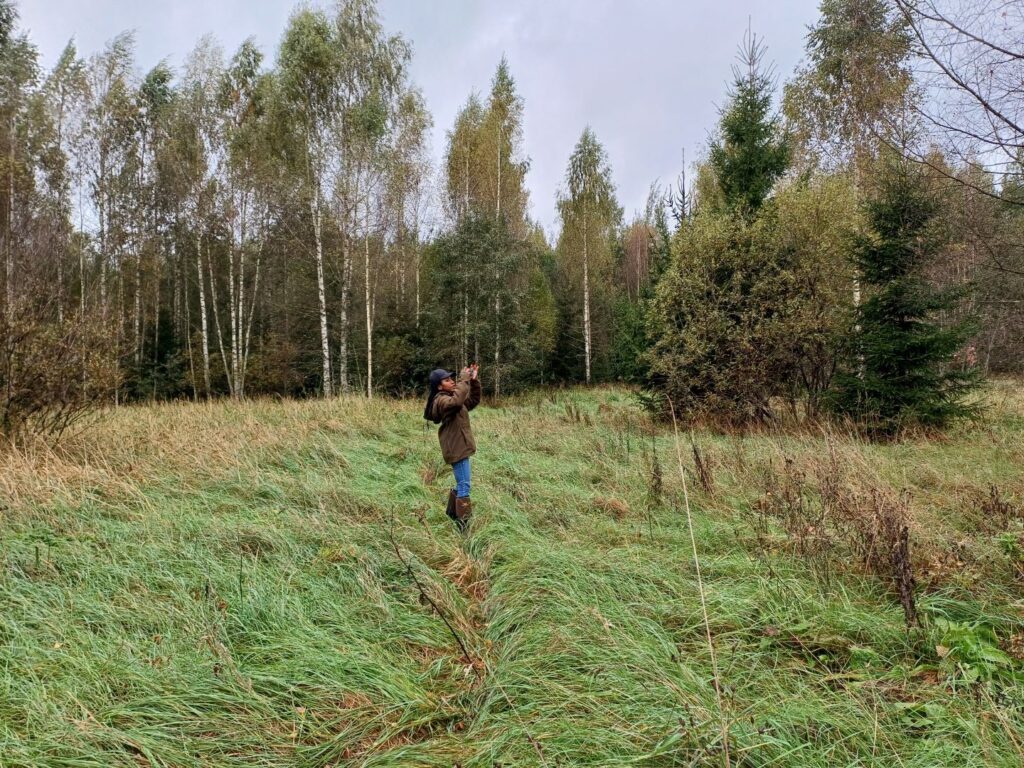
[{"x": 254, "y": 584}]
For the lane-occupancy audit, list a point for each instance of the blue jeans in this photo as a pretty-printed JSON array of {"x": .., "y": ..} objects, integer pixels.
[{"x": 461, "y": 471}]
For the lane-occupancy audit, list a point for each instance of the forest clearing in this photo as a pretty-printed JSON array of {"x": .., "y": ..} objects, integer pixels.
[
  {"x": 218, "y": 584},
  {"x": 734, "y": 293}
]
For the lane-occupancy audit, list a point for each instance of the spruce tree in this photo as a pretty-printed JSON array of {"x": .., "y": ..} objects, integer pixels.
[
  {"x": 752, "y": 151},
  {"x": 718, "y": 351},
  {"x": 903, "y": 372}
]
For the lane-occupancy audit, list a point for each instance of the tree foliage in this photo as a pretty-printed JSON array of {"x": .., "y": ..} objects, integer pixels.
[
  {"x": 752, "y": 152},
  {"x": 590, "y": 216},
  {"x": 855, "y": 85},
  {"x": 902, "y": 372},
  {"x": 751, "y": 313},
  {"x": 271, "y": 222}
]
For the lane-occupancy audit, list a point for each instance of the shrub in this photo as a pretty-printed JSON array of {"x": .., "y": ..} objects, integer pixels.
[
  {"x": 752, "y": 311},
  {"x": 52, "y": 374}
]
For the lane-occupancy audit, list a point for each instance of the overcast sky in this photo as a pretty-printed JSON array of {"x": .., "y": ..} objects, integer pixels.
[{"x": 647, "y": 75}]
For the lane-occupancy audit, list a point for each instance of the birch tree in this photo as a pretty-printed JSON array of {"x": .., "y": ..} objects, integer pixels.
[
  {"x": 853, "y": 87},
  {"x": 242, "y": 177},
  {"x": 18, "y": 75},
  {"x": 309, "y": 69},
  {"x": 462, "y": 183},
  {"x": 502, "y": 168},
  {"x": 53, "y": 366},
  {"x": 371, "y": 81},
  {"x": 343, "y": 76},
  {"x": 502, "y": 138},
  {"x": 590, "y": 215},
  {"x": 194, "y": 143},
  {"x": 485, "y": 177},
  {"x": 154, "y": 100},
  {"x": 853, "y": 92},
  {"x": 408, "y": 174},
  {"x": 970, "y": 61},
  {"x": 63, "y": 94},
  {"x": 108, "y": 136}
]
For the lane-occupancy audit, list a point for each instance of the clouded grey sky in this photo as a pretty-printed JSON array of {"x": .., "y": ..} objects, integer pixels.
[{"x": 646, "y": 75}]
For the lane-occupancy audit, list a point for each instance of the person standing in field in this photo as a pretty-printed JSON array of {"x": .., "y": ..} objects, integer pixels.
[{"x": 449, "y": 404}]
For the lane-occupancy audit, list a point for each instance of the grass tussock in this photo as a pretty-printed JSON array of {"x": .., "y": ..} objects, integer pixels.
[{"x": 276, "y": 584}]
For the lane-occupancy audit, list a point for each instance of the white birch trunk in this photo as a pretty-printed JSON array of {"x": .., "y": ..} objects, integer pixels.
[
  {"x": 248, "y": 325},
  {"x": 239, "y": 333},
  {"x": 137, "y": 308},
  {"x": 9, "y": 244},
  {"x": 188, "y": 345},
  {"x": 497, "y": 346},
  {"x": 497, "y": 283},
  {"x": 465, "y": 329},
  {"x": 233, "y": 324},
  {"x": 119, "y": 319},
  {"x": 139, "y": 239},
  {"x": 204, "y": 328},
  {"x": 102, "y": 255},
  {"x": 321, "y": 290},
  {"x": 233, "y": 318},
  {"x": 64, "y": 205},
  {"x": 217, "y": 326},
  {"x": 176, "y": 289},
  {"x": 81, "y": 282},
  {"x": 857, "y": 186},
  {"x": 156, "y": 326},
  {"x": 60, "y": 286},
  {"x": 465, "y": 209},
  {"x": 346, "y": 289},
  {"x": 369, "y": 311},
  {"x": 586, "y": 299}
]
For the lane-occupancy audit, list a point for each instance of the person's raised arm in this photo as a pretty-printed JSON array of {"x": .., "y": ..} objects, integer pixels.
[
  {"x": 475, "y": 393},
  {"x": 458, "y": 397}
]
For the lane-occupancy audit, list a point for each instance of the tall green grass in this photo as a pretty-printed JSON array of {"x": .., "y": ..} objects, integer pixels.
[{"x": 197, "y": 585}]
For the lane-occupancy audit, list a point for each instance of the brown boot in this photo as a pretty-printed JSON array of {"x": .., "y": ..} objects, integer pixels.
[
  {"x": 463, "y": 511},
  {"x": 450, "y": 511}
]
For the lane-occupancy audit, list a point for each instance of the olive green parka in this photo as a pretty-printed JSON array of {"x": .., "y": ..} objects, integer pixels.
[{"x": 452, "y": 408}]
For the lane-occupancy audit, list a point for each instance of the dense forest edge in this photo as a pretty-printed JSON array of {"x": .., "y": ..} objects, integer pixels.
[{"x": 246, "y": 225}]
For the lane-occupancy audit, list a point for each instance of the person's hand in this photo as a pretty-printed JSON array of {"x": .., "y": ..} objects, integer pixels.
[
  {"x": 473, "y": 371},
  {"x": 467, "y": 373}
]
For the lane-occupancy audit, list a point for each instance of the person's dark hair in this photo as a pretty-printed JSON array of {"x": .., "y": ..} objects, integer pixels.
[
  {"x": 428, "y": 410},
  {"x": 436, "y": 377}
]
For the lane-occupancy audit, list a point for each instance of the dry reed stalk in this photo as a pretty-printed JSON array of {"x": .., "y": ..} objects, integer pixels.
[{"x": 700, "y": 588}]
